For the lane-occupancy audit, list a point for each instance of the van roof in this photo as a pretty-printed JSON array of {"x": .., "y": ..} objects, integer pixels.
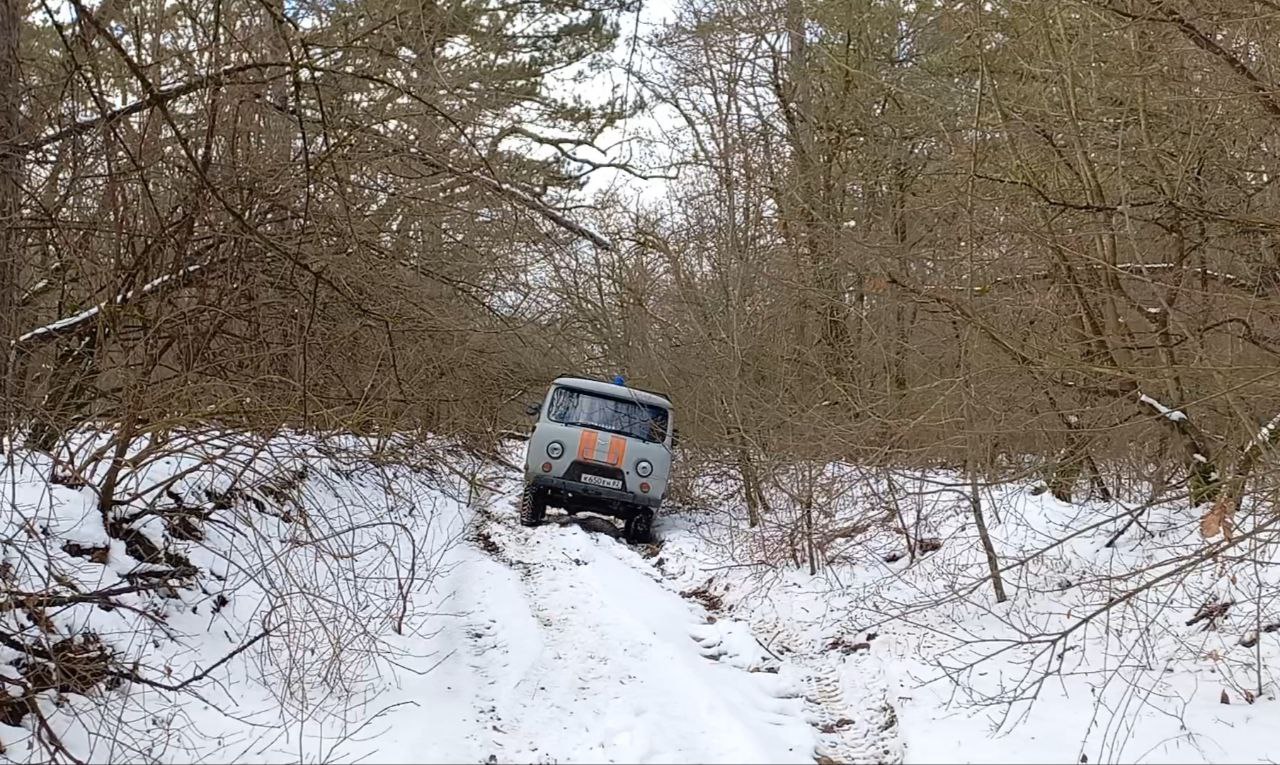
[{"x": 617, "y": 391}]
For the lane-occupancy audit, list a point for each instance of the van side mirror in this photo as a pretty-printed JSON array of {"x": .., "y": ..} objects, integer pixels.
[{"x": 532, "y": 409}]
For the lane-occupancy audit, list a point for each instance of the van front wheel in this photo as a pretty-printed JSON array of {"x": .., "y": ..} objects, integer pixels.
[
  {"x": 533, "y": 508},
  {"x": 638, "y": 529}
]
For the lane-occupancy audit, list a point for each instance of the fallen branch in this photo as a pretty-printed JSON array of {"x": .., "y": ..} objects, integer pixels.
[{"x": 48, "y": 600}]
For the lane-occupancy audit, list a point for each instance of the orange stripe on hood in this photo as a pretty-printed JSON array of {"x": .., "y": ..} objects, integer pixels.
[
  {"x": 587, "y": 445},
  {"x": 617, "y": 450}
]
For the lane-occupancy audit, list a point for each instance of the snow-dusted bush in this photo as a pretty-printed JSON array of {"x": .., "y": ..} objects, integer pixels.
[{"x": 267, "y": 577}]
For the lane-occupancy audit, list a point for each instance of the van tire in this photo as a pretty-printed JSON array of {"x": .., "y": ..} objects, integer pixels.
[
  {"x": 638, "y": 529},
  {"x": 533, "y": 508}
]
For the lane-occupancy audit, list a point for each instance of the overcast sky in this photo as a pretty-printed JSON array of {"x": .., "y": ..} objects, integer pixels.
[{"x": 620, "y": 142}]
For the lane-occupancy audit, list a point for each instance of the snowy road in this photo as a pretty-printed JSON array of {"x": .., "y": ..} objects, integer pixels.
[{"x": 568, "y": 647}]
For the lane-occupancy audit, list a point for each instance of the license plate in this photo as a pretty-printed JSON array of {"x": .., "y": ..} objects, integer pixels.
[{"x": 598, "y": 480}]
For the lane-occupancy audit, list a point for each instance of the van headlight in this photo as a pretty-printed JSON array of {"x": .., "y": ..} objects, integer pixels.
[
  {"x": 644, "y": 468},
  {"x": 555, "y": 450}
]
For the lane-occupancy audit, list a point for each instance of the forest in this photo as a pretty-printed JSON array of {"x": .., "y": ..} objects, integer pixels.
[{"x": 884, "y": 256}]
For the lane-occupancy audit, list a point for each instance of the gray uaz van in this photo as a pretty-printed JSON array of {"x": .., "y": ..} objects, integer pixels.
[{"x": 599, "y": 447}]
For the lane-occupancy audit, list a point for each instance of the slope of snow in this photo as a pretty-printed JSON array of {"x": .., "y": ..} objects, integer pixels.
[
  {"x": 283, "y": 585},
  {"x": 954, "y": 676}
]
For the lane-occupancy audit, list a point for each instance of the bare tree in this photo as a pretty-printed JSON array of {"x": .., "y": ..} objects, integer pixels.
[{"x": 10, "y": 201}]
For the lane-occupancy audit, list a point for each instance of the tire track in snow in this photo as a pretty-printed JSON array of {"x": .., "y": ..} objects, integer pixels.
[
  {"x": 858, "y": 727},
  {"x": 862, "y": 729},
  {"x": 846, "y": 696}
]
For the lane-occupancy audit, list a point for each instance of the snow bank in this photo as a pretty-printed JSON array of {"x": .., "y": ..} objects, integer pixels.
[
  {"x": 308, "y": 599},
  {"x": 1155, "y": 649},
  {"x": 251, "y": 599}
]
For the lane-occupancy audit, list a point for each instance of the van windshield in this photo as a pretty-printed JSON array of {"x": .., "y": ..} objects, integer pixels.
[{"x": 616, "y": 415}]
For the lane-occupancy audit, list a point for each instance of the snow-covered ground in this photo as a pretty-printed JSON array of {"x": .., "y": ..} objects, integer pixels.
[{"x": 408, "y": 618}]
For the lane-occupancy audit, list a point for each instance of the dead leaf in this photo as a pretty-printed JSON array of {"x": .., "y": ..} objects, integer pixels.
[
  {"x": 1219, "y": 518},
  {"x": 1225, "y": 699}
]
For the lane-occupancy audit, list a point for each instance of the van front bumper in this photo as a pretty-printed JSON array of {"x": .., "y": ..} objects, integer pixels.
[{"x": 599, "y": 493}]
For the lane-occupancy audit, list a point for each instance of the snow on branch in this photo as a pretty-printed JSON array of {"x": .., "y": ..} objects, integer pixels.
[
  {"x": 1132, "y": 269},
  {"x": 70, "y": 324},
  {"x": 36, "y": 290},
  {"x": 1173, "y": 415},
  {"x": 1265, "y": 435}
]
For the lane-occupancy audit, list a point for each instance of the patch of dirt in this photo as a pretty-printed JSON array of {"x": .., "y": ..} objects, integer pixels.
[
  {"x": 138, "y": 545},
  {"x": 928, "y": 545},
  {"x": 651, "y": 550},
  {"x": 88, "y": 552},
  {"x": 924, "y": 546},
  {"x": 708, "y": 599},
  {"x": 1210, "y": 613},
  {"x": 81, "y": 664},
  {"x": 482, "y": 536},
  {"x": 593, "y": 524},
  {"x": 485, "y": 542},
  {"x": 845, "y": 647},
  {"x": 890, "y": 718}
]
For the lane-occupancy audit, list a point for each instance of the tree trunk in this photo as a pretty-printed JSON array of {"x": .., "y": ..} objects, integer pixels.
[
  {"x": 811, "y": 549},
  {"x": 757, "y": 502},
  {"x": 10, "y": 202},
  {"x": 749, "y": 488},
  {"x": 993, "y": 562}
]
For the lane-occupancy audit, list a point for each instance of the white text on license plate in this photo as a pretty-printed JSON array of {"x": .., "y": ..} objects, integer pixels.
[{"x": 612, "y": 483}]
